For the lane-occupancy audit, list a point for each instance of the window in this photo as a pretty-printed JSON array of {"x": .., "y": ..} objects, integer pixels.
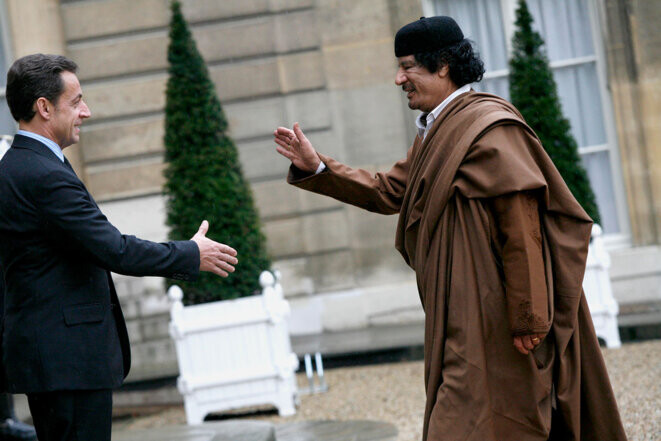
[
  {"x": 7, "y": 124},
  {"x": 573, "y": 51}
]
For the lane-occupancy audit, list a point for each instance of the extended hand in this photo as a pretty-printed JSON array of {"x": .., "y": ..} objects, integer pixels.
[
  {"x": 293, "y": 145},
  {"x": 525, "y": 343},
  {"x": 214, "y": 257}
]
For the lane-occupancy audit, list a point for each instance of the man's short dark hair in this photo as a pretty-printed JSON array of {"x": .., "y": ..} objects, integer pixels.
[
  {"x": 464, "y": 63},
  {"x": 32, "y": 77}
]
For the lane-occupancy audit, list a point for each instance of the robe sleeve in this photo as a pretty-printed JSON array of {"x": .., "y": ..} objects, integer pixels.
[
  {"x": 519, "y": 240},
  {"x": 502, "y": 169},
  {"x": 380, "y": 192}
]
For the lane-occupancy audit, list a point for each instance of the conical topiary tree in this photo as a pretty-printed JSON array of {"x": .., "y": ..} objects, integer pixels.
[
  {"x": 204, "y": 178},
  {"x": 534, "y": 92}
]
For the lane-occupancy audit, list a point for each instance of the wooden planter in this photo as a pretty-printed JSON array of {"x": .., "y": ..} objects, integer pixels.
[
  {"x": 234, "y": 353},
  {"x": 598, "y": 291}
]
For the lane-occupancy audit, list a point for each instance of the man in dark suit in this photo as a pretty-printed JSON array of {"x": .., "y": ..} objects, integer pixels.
[{"x": 64, "y": 341}]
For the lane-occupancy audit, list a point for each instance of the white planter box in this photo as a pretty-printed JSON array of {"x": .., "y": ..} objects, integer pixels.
[
  {"x": 234, "y": 353},
  {"x": 598, "y": 291}
]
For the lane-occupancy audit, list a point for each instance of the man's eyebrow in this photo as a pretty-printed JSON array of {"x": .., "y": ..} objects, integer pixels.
[{"x": 77, "y": 97}]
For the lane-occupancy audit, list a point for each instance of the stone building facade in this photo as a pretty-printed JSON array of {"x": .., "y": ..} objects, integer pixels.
[{"x": 329, "y": 65}]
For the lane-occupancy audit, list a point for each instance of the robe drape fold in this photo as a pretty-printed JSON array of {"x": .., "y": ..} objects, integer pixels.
[{"x": 452, "y": 193}]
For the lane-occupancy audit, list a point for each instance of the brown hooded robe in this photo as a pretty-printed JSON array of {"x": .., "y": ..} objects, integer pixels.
[{"x": 498, "y": 244}]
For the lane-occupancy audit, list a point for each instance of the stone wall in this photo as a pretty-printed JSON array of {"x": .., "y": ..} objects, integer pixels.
[
  {"x": 633, "y": 42},
  {"x": 633, "y": 52},
  {"x": 326, "y": 64}
]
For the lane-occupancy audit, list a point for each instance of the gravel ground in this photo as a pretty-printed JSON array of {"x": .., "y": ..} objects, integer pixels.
[{"x": 395, "y": 393}]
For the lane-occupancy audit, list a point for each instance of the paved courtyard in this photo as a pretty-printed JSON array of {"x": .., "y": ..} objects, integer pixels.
[{"x": 394, "y": 393}]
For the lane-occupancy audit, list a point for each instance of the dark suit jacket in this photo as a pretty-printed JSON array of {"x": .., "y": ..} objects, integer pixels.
[
  {"x": 3, "y": 380},
  {"x": 63, "y": 327}
]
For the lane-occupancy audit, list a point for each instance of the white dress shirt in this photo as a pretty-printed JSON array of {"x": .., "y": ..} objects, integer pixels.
[
  {"x": 424, "y": 121},
  {"x": 52, "y": 145}
]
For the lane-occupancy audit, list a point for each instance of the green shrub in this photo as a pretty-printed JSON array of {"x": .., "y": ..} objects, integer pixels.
[
  {"x": 534, "y": 92},
  {"x": 204, "y": 177}
]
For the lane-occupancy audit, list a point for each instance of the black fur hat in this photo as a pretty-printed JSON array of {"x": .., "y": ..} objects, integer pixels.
[{"x": 427, "y": 35}]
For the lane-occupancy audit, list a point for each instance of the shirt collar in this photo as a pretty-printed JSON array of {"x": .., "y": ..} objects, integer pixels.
[
  {"x": 425, "y": 120},
  {"x": 48, "y": 142}
]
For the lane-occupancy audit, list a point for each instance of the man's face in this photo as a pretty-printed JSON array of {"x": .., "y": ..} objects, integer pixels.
[
  {"x": 69, "y": 113},
  {"x": 424, "y": 90}
]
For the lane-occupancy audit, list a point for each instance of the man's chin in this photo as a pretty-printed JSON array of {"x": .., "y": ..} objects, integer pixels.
[{"x": 69, "y": 142}]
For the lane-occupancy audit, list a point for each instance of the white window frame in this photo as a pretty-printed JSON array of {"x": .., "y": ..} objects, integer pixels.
[
  {"x": 6, "y": 45},
  {"x": 508, "y": 7},
  {"x": 4, "y": 33}
]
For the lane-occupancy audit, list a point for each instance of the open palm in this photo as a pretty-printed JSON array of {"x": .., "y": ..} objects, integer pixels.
[{"x": 295, "y": 146}]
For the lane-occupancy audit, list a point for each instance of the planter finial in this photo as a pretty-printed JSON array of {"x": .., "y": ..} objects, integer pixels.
[
  {"x": 266, "y": 279},
  {"x": 175, "y": 293}
]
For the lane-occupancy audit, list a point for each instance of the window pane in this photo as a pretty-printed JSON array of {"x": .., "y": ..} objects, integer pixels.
[
  {"x": 482, "y": 22},
  {"x": 599, "y": 171},
  {"x": 3, "y": 59},
  {"x": 578, "y": 88},
  {"x": 7, "y": 124},
  {"x": 498, "y": 86},
  {"x": 565, "y": 27}
]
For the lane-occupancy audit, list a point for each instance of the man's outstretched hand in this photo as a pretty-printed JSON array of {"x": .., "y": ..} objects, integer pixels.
[
  {"x": 293, "y": 145},
  {"x": 215, "y": 257}
]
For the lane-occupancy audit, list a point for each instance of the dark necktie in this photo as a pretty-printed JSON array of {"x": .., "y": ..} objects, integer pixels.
[{"x": 68, "y": 164}]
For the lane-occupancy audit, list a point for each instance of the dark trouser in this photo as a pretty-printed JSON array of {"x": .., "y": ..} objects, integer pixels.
[
  {"x": 79, "y": 415},
  {"x": 6, "y": 406}
]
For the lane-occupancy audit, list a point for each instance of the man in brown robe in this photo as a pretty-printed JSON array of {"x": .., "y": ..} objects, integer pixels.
[{"x": 498, "y": 244}]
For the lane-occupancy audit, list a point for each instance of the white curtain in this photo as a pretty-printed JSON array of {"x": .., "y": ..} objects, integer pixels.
[
  {"x": 598, "y": 166},
  {"x": 565, "y": 27},
  {"x": 7, "y": 124},
  {"x": 3, "y": 57},
  {"x": 482, "y": 22}
]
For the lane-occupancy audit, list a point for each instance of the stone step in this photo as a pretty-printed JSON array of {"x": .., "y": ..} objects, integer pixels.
[
  {"x": 336, "y": 431},
  {"x": 372, "y": 338},
  {"x": 262, "y": 431},
  {"x": 640, "y": 314},
  {"x": 223, "y": 431}
]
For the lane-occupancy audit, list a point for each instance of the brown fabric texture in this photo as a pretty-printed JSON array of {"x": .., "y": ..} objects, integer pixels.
[{"x": 498, "y": 245}]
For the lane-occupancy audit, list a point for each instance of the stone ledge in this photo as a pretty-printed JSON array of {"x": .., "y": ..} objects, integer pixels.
[
  {"x": 224, "y": 431},
  {"x": 265, "y": 36},
  {"x": 639, "y": 314},
  {"x": 373, "y": 338},
  {"x": 336, "y": 431},
  {"x": 104, "y": 18},
  {"x": 263, "y": 431}
]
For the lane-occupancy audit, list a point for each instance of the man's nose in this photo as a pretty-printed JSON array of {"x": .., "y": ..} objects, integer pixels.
[
  {"x": 86, "y": 112},
  {"x": 400, "y": 78}
]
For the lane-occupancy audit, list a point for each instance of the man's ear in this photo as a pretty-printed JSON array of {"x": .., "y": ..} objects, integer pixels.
[
  {"x": 444, "y": 71},
  {"x": 44, "y": 108}
]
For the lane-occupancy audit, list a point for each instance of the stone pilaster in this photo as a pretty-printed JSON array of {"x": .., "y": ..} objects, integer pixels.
[
  {"x": 36, "y": 27},
  {"x": 634, "y": 61}
]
